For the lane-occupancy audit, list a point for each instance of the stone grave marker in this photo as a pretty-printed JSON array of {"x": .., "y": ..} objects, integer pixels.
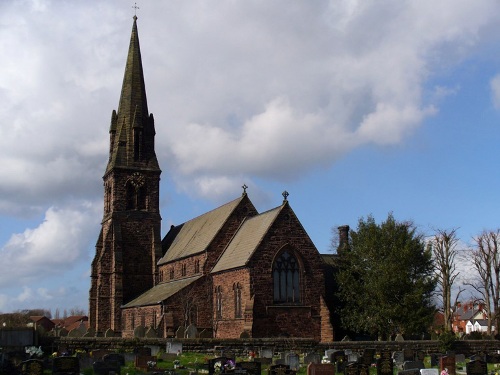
[
  {"x": 385, "y": 364},
  {"x": 250, "y": 368},
  {"x": 312, "y": 358},
  {"x": 142, "y": 350},
  {"x": 399, "y": 337},
  {"x": 410, "y": 365},
  {"x": 109, "y": 333},
  {"x": 339, "y": 358},
  {"x": 414, "y": 371},
  {"x": 179, "y": 334},
  {"x": 476, "y": 367},
  {"x": 292, "y": 360},
  {"x": 429, "y": 371},
  {"x": 151, "y": 333},
  {"x": 104, "y": 368},
  {"x": 421, "y": 355},
  {"x": 328, "y": 354},
  {"x": 398, "y": 358},
  {"x": 191, "y": 332},
  {"x": 320, "y": 369},
  {"x": 139, "y": 332},
  {"x": 143, "y": 362},
  {"x": 205, "y": 334},
  {"x": 459, "y": 358},
  {"x": 279, "y": 361},
  {"x": 32, "y": 367},
  {"x": 65, "y": 366},
  {"x": 114, "y": 357},
  {"x": 174, "y": 347},
  {"x": 367, "y": 357},
  {"x": 154, "y": 349},
  {"x": 448, "y": 362},
  {"x": 408, "y": 355},
  {"x": 353, "y": 357},
  {"x": 280, "y": 369}
]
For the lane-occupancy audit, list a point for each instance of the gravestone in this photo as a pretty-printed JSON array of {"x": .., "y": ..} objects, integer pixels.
[
  {"x": 408, "y": 355},
  {"x": 410, "y": 365},
  {"x": 31, "y": 367},
  {"x": 339, "y": 358},
  {"x": 320, "y": 369},
  {"x": 328, "y": 354},
  {"x": 139, "y": 332},
  {"x": 476, "y": 367},
  {"x": 114, "y": 357},
  {"x": 104, "y": 368},
  {"x": 250, "y": 368},
  {"x": 385, "y": 364},
  {"x": 266, "y": 353},
  {"x": 280, "y": 369},
  {"x": 312, "y": 358},
  {"x": 398, "y": 358},
  {"x": 448, "y": 362},
  {"x": 142, "y": 350},
  {"x": 279, "y": 361},
  {"x": 414, "y": 371},
  {"x": 367, "y": 357},
  {"x": 191, "y": 332},
  {"x": 174, "y": 347},
  {"x": 460, "y": 358},
  {"x": 205, "y": 334},
  {"x": 65, "y": 366},
  {"x": 421, "y": 355},
  {"x": 429, "y": 371},
  {"x": 292, "y": 360},
  {"x": 144, "y": 362},
  {"x": 179, "y": 334},
  {"x": 109, "y": 333},
  {"x": 150, "y": 333}
]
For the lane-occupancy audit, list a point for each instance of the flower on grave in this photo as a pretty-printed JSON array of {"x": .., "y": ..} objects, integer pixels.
[
  {"x": 230, "y": 365},
  {"x": 151, "y": 364},
  {"x": 217, "y": 367},
  {"x": 34, "y": 352}
]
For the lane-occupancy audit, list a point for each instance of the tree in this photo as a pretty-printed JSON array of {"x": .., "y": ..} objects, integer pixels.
[
  {"x": 444, "y": 250},
  {"x": 486, "y": 260},
  {"x": 386, "y": 279}
]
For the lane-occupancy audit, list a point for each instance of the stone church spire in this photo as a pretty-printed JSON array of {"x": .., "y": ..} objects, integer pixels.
[
  {"x": 129, "y": 244},
  {"x": 132, "y": 129}
]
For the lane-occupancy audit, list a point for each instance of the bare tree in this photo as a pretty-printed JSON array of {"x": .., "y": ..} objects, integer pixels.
[
  {"x": 444, "y": 250},
  {"x": 486, "y": 260}
]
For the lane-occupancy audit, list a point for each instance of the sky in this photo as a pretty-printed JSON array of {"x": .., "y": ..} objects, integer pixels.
[{"x": 355, "y": 107}]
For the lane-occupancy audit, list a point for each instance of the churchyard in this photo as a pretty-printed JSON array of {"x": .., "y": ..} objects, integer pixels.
[{"x": 172, "y": 360}]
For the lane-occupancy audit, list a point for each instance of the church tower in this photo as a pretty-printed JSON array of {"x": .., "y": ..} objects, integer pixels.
[{"x": 129, "y": 244}]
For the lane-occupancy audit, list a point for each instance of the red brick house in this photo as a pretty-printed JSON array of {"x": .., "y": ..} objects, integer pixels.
[{"x": 231, "y": 272}]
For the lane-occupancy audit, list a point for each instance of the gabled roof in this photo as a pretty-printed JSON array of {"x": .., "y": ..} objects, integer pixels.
[
  {"x": 195, "y": 235},
  {"x": 161, "y": 292},
  {"x": 246, "y": 240}
]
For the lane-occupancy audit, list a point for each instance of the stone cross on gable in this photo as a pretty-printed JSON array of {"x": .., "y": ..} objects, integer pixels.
[
  {"x": 285, "y": 195},
  {"x": 135, "y": 9},
  {"x": 245, "y": 187}
]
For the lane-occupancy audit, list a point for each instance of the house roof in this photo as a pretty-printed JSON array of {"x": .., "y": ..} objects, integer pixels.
[
  {"x": 195, "y": 235},
  {"x": 161, "y": 292},
  {"x": 246, "y": 240}
]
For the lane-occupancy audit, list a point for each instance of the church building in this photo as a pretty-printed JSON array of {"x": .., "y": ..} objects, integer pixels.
[{"x": 231, "y": 272}]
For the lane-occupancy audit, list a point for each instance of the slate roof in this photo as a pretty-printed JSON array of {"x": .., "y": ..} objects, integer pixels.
[
  {"x": 195, "y": 235},
  {"x": 161, "y": 292},
  {"x": 246, "y": 240}
]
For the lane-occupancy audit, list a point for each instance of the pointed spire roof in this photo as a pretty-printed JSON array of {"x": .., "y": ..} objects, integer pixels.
[{"x": 133, "y": 115}]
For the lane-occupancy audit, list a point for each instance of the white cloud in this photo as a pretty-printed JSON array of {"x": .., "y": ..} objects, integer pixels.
[{"x": 495, "y": 91}]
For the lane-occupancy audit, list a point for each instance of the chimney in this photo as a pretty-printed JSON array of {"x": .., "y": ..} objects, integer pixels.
[{"x": 343, "y": 238}]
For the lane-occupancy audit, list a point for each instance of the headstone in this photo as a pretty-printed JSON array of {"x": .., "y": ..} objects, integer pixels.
[
  {"x": 150, "y": 333},
  {"x": 75, "y": 333},
  {"x": 429, "y": 371},
  {"x": 414, "y": 371},
  {"x": 179, "y": 334},
  {"x": 292, "y": 360},
  {"x": 385, "y": 364},
  {"x": 114, "y": 357},
  {"x": 367, "y": 357},
  {"x": 320, "y": 369},
  {"x": 312, "y": 358},
  {"x": 250, "y": 368},
  {"x": 174, "y": 347},
  {"x": 459, "y": 358},
  {"x": 104, "y": 368},
  {"x": 448, "y": 362},
  {"x": 280, "y": 369},
  {"x": 145, "y": 362},
  {"x": 476, "y": 367},
  {"x": 266, "y": 353},
  {"x": 32, "y": 367},
  {"x": 143, "y": 350},
  {"x": 279, "y": 361},
  {"x": 408, "y": 355},
  {"x": 329, "y": 352},
  {"x": 398, "y": 358},
  {"x": 205, "y": 334},
  {"x": 65, "y": 366},
  {"x": 410, "y": 365},
  {"x": 353, "y": 357},
  {"x": 191, "y": 332},
  {"x": 339, "y": 358},
  {"x": 139, "y": 332},
  {"x": 421, "y": 355},
  {"x": 109, "y": 333},
  {"x": 154, "y": 349},
  {"x": 399, "y": 337}
]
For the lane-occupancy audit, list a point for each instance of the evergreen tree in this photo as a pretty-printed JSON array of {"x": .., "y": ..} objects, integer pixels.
[{"x": 386, "y": 279}]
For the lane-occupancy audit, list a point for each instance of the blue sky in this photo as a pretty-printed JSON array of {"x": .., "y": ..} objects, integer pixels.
[{"x": 353, "y": 107}]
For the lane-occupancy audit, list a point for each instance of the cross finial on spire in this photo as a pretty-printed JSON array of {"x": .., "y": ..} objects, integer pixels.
[
  {"x": 245, "y": 187},
  {"x": 285, "y": 196},
  {"x": 135, "y": 10}
]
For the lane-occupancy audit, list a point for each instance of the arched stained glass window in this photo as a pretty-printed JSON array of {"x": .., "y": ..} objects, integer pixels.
[{"x": 286, "y": 279}]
